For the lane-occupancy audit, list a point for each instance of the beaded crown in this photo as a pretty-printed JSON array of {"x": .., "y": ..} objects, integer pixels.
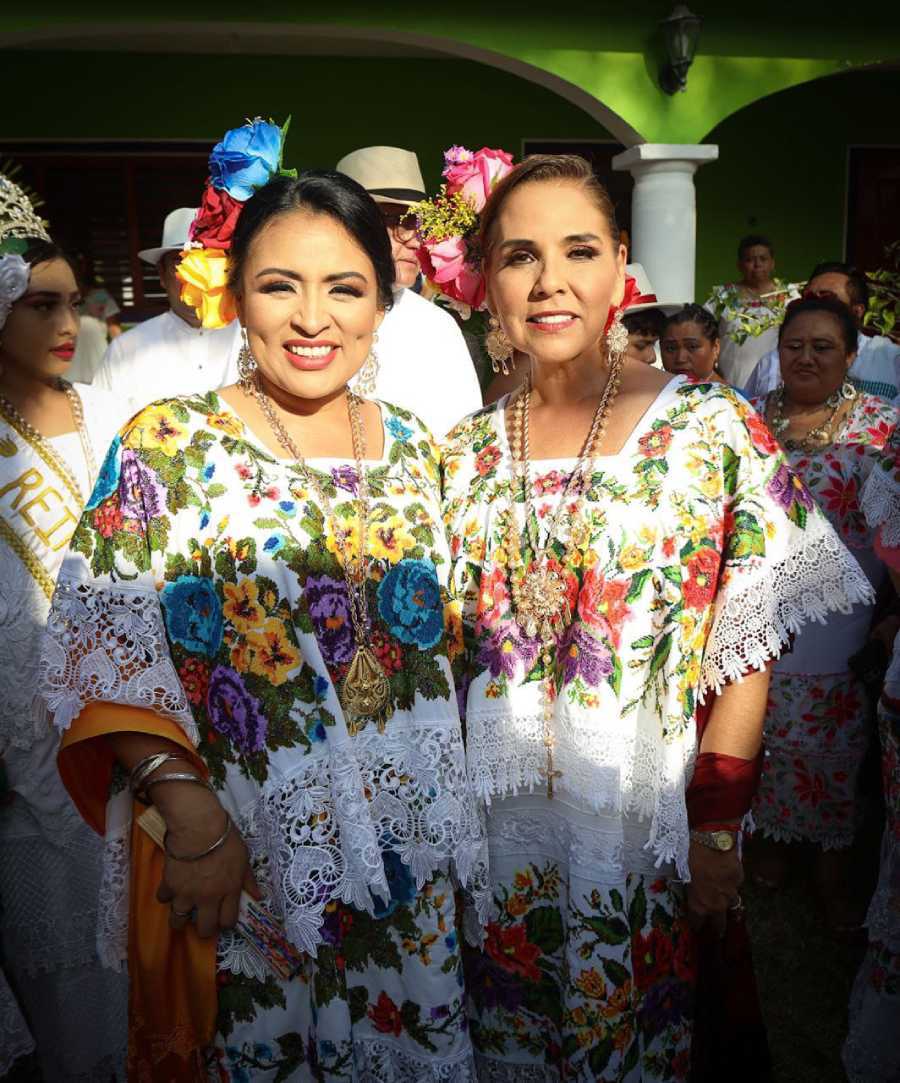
[{"x": 18, "y": 220}]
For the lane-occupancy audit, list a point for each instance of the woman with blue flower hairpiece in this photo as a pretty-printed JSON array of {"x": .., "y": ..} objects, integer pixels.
[{"x": 251, "y": 631}]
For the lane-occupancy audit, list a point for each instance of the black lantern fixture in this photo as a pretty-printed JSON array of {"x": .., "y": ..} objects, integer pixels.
[{"x": 681, "y": 32}]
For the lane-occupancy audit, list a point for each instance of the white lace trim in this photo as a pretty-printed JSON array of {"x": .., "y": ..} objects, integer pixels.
[
  {"x": 112, "y": 909},
  {"x": 881, "y": 505},
  {"x": 322, "y": 828},
  {"x": 109, "y": 645},
  {"x": 613, "y": 768},
  {"x": 380, "y": 1061},
  {"x": 753, "y": 623}
]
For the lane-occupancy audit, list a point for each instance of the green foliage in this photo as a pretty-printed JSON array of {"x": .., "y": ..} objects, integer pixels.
[{"x": 883, "y": 313}]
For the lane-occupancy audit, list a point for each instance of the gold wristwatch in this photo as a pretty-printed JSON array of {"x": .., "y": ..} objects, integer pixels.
[{"x": 723, "y": 841}]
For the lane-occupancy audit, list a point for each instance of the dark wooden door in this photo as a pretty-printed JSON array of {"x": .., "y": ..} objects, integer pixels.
[{"x": 873, "y": 204}]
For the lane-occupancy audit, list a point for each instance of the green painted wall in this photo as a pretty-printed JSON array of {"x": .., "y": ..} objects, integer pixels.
[
  {"x": 337, "y": 104},
  {"x": 606, "y": 48},
  {"x": 782, "y": 171}
]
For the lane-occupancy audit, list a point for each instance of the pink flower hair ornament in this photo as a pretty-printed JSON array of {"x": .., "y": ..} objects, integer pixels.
[{"x": 447, "y": 224}]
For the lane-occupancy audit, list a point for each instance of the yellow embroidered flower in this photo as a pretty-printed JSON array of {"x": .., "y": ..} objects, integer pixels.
[
  {"x": 241, "y": 656},
  {"x": 492, "y": 690},
  {"x": 591, "y": 983},
  {"x": 242, "y": 606},
  {"x": 157, "y": 427},
  {"x": 348, "y": 542},
  {"x": 227, "y": 423},
  {"x": 647, "y": 535},
  {"x": 632, "y": 557},
  {"x": 523, "y": 880},
  {"x": 711, "y": 486},
  {"x": 516, "y": 905},
  {"x": 273, "y": 656},
  {"x": 390, "y": 539},
  {"x": 590, "y": 559},
  {"x": 204, "y": 273}
]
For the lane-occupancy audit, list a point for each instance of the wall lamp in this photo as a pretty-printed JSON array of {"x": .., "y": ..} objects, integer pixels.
[{"x": 681, "y": 31}]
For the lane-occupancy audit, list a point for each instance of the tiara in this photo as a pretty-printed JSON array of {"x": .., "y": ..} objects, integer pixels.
[{"x": 18, "y": 220}]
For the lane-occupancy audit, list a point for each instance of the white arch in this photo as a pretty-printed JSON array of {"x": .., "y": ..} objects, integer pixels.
[{"x": 238, "y": 38}]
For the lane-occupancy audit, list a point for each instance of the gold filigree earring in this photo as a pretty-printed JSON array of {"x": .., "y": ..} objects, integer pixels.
[
  {"x": 368, "y": 374},
  {"x": 616, "y": 338},
  {"x": 246, "y": 364},
  {"x": 498, "y": 346}
]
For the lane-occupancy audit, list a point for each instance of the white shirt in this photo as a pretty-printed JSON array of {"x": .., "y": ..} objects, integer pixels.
[
  {"x": 90, "y": 348},
  {"x": 424, "y": 364},
  {"x": 165, "y": 356},
  {"x": 876, "y": 369}
]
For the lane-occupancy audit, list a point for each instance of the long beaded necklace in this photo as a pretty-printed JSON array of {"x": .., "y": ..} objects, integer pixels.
[
  {"x": 539, "y": 588},
  {"x": 822, "y": 435},
  {"x": 364, "y": 693},
  {"x": 33, "y": 436}
]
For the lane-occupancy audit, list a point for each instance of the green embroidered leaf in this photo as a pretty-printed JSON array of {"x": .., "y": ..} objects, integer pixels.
[
  {"x": 215, "y": 490},
  {"x": 747, "y": 539},
  {"x": 616, "y": 973},
  {"x": 615, "y": 897},
  {"x": 268, "y": 524},
  {"x": 610, "y": 930},
  {"x": 661, "y": 654},
  {"x": 543, "y": 998},
  {"x": 359, "y": 1002},
  {"x": 293, "y": 1056},
  {"x": 631, "y": 1058},
  {"x": 730, "y": 464},
  {"x": 673, "y": 574},
  {"x": 615, "y": 677},
  {"x": 643, "y": 643},
  {"x": 544, "y": 927},
  {"x": 637, "y": 584},
  {"x": 798, "y": 514},
  {"x": 637, "y": 911},
  {"x": 598, "y": 1058}
]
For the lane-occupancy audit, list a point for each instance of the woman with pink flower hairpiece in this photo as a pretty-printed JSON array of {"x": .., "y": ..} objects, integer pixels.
[{"x": 624, "y": 551}]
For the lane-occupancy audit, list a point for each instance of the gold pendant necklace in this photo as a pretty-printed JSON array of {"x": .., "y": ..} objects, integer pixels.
[
  {"x": 365, "y": 691},
  {"x": 819, "y": 437},
  {"x": 539, "y": 590}
]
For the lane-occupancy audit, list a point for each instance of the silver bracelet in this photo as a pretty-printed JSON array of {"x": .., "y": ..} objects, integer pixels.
[
  {"x": 210, "y": 849},
  {"x": 142, "y": 771},
  {"x": 178, "y": 776}
]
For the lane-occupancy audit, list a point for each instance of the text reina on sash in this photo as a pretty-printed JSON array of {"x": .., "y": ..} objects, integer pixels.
[{"x": 37, "y": 501}]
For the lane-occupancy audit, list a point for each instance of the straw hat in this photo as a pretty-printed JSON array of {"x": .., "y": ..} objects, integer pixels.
[
  {"x": 388, "y": 174},
  {"x": 174, "y": 235},
  {"x": 642, "y": 279}
]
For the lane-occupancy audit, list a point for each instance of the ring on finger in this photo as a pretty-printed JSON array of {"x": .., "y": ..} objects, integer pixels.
[
  {"x": 738, "y": 904},
  {"x": 184, "y": 913}
]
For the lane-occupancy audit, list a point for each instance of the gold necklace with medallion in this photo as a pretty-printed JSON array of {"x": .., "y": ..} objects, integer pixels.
[
  {"x": 821, "y": 436},
  {"x": 538, "y": 587},
  {"x": 364, "y": 693},
  {"x": 49, "y": 452}
]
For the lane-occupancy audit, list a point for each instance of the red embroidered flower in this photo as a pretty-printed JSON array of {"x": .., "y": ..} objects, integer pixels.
[
  {"x": 346, "y": 921},
  {"x": 601, "y": 604},
  {"x": 386, "y": 1016},
  {"x": 669, "y": 547},
  {"x": 760, "y": 436},
  {"x": 243, "y": 471},
  {"x": 214, "y": 222},
  {"x": 547, "y": 484},
  {"x": 493, "y": 600},
  {"x": 388, "y": 652},
  {"x": 511, "y": 950},
  {"x": 194, "y": 676},
  {"x": 703, "y": 575},
  {"x": 656, "y": 443},
  {"x": 487, "y": 459},
  {"x": 108, "y": 518},
  {"x": 685, "y": 959},
  {"x": 841, "y": 496},
  {"x": 652, "y": 958}
]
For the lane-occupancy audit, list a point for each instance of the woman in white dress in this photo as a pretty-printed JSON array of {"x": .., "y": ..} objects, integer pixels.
[{"x": 51, "y": 439}]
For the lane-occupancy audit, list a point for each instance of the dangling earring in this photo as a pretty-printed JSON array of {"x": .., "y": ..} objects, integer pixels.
[
  {"x": 498, "y": 346},
  {"x": 848, "y": 390},
  {"x": 616, "y": 339},
  {"x": 246, "y": 365},
  {"x": 368, "y": 375}
]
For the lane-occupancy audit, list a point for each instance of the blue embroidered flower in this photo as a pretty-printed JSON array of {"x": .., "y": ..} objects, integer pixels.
[
  {"x": 400, "y": 882},
  {"x": 246, "y": 158},
  {"x": 208, "y": 471},
  {"x": 450, "y": 941},
  {"x": 287, "y": 507},
  {"x": 315, "y": 728},
  {"x": 274, "y": 544},
  {"x": 204, "y": 520},
  {"x": 193, "y": 614},
  {"x": 321, "y": 686},
  {"x": 398, "y": 430},
  {"x": 108, "y": 478},
  {"x": 409, "y": 602}
]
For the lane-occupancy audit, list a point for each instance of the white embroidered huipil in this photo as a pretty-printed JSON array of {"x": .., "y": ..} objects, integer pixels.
[
  {"x": 165, "y": 356},
  {"x": 50, "y": 861}
]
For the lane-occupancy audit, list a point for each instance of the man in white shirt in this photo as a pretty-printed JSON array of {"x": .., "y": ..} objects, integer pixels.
[
  {"x": 876, "y": 369},
  {"x": 170, "y": 354},
  {"x": 424, "y": 364}
]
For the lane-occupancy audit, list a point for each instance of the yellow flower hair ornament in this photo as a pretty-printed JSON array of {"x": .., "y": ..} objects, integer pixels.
[{"x": 204, "y": 286}]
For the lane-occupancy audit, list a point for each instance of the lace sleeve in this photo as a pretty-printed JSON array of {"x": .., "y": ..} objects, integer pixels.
[
  {"x": 881, "y": 495},
  {"x": 783, "y": 565}
]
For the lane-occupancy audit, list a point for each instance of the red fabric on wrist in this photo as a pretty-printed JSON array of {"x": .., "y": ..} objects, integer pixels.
[{"x": 722, "y": 788}]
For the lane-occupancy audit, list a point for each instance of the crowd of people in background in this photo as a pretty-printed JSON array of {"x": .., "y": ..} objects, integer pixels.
[{"x": 456, "y": 699}]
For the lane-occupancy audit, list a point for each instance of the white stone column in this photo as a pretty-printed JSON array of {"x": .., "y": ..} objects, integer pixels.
[{"x": 664, "y": 212}]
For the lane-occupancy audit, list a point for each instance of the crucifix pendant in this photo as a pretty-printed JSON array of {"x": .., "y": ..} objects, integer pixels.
[{"x": 550, "y": 771}]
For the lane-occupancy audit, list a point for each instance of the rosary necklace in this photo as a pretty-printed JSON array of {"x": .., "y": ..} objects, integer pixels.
[
  {"x": 539, "y": 588},
  {"x": 364, "y": 692}
]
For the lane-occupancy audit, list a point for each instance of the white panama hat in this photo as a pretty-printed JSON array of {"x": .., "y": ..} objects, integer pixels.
[
  {"x": 388, "y": 174},
  {"x": 174, "y": 235},
  {"x": 642, "y": 279}
]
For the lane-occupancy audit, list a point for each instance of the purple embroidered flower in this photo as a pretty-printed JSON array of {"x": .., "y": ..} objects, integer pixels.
[
  {"x": 584, "y": 655},
  {"x": 785, "y": 487},
  {"x": 506, "y": 649},
  {"x": 490, "y": 986},
  {"x": 345, "y": 477},
  {"x": 234, "y": 712},
  {"x": 141, "y": 494},
  {"x": 329, "y": 610},
  {"x": 665, "y": 1003}
]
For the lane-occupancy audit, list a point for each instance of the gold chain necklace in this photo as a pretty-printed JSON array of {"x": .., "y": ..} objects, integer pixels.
[
  {"x": 365, "y": 692},
  {"x": 539, "y": 588},
  {"x": 34, "y": 437},
  {"x": 822, "y": 435}
]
